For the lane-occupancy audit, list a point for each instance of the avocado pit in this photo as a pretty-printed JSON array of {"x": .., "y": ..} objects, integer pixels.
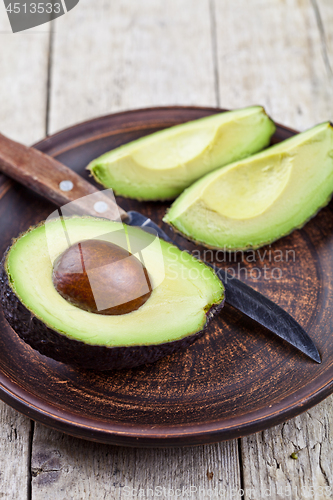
[
  {"x": 176, "y": 314},
  {"x": 101, "y": 277}
]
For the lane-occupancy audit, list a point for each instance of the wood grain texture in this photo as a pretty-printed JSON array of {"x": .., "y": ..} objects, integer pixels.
[
  {"x": 323, "y": 12},
  {"x": 44, "y": 175},
  {"x": 23, "y": 91},
  {"x": 15, "y": 450},
  {"x": 269, "y": 468},
  {"x": 64, "y": 467},
  {"x": 271, "y": 53},
  {"x": 146, "y": 53},
  {"x": 23, "y": 82},
  {"x": 279, "y": 53}
]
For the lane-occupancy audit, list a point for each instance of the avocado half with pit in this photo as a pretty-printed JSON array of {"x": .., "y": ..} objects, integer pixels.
[
  {"x": 161, "y": 165},
  {"x": 184, "y": 295},
  {"x": 262, "y": 198}
]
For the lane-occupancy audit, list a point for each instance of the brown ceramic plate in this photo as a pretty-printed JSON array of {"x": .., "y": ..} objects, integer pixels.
[{"x": 238, "y": 379}]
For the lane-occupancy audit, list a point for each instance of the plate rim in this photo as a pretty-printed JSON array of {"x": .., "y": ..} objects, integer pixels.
[{"x": 157, "y": 435}]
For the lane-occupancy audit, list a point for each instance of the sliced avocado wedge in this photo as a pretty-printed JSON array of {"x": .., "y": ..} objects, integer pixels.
[
  {"x": 262, "y": 198},
  {"x": 161, "y": 165},
  {"x": 186, "y": 292}
]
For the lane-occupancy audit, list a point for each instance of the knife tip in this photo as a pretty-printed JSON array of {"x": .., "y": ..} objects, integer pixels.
[{"x": 316, "y": 357}]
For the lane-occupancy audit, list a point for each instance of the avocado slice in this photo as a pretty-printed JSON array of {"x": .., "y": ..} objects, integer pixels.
[
  {"x": 185, "y": 295},
  {"x": 262, "y": 198},
  {"x": 161, "y": 165}
]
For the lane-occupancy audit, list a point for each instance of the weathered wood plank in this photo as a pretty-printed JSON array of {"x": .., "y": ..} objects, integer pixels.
[
  {"x": 270, "y": 471},
  {"x": 270, "y": 53},
  {"x": 23, "y": 82},
  {"x": 277, "y": 53},
  {"x": 109, "y": 56},
  {"x": 15, "y": 454},
  {"x": 323, "y": 12},
  {"x": 64, "y": 467}
]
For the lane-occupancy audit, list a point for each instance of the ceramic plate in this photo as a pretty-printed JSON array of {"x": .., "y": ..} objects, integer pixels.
[{"x": 237, "y": 379}]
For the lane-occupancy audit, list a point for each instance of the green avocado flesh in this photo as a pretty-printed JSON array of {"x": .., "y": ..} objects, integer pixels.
[
  {"x": 184, "y": 289},
  {"x": 255, "y": 201},
  {"x": 161, "y": 165}
]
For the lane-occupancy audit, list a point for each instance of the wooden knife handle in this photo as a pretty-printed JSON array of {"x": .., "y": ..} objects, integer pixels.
[{"x": 53, "y": 180}]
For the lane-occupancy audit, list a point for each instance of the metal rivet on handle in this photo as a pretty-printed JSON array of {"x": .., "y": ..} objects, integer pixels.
[
  {"x": 66, "y": 185},
  {"x": 100, "y": 207}
]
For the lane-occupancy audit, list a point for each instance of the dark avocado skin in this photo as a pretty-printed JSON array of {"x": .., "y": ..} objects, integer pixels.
[{"x": 73, "y": 352}]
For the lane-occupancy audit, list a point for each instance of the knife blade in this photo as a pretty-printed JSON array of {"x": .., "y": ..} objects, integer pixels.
[
  {"x": 61, "y": 185},
  {"x": 247, "y": 300}
]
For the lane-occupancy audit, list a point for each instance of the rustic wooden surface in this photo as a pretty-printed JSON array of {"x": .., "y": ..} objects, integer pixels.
[{"x": 102, "y": 58}]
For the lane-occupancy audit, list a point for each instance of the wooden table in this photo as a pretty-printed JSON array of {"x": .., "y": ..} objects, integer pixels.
[{"x": 108, "y": 56}]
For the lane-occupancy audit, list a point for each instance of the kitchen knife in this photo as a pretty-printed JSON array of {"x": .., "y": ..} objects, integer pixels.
[
  {"x": 56, "y": 182},
  {"x": 247, "y": 300}
]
